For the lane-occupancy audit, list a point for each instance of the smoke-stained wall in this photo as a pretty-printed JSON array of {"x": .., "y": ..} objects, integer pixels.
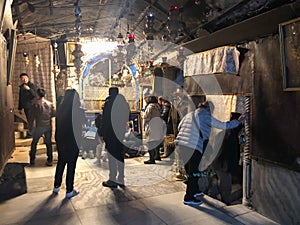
[
  {"x": 276, "y": 112},
  {"x": 275, "y": 137},
  {"x": 7, "y": 142}
]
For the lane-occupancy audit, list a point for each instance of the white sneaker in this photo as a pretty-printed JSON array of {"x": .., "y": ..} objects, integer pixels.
[
  {"x": 71, "y": 194},
  {"x": 55, "y": 190}
]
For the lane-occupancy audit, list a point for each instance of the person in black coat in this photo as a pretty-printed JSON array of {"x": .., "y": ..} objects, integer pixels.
[
  {"x": 27, "y": 95},
  {"x": 116, "y": 114},
  {"x": 70, "y": 119},
  {"x": 227, "y": 163}
]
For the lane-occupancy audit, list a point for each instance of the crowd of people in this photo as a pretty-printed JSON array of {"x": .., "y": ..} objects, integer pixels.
[{"x": 162, "y": 119}]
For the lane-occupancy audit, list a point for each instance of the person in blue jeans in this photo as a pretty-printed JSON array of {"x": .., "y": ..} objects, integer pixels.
[
  {"x": 70, "y": 119},
  {"x": 191, "y": 141},
  {"x": 42, "y": 111}
]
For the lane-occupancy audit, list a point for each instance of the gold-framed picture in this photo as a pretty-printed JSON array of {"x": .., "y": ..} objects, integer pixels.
[
  {"x": 70, "y": 47},
  {"x": 290, "y": 54}
]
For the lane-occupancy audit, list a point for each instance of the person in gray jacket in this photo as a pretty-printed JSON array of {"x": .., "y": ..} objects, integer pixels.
[{"x": 191, "y": 141}]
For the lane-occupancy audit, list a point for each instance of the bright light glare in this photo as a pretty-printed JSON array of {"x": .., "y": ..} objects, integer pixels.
[{"x": 92, "y": 48}]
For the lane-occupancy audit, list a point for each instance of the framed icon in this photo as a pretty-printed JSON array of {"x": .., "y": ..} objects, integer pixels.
[
  {"x": 290, "y": 54},
  {"x": 70, "y": 47}
]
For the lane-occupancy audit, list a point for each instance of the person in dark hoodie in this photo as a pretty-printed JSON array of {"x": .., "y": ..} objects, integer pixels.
[
  {"x": 70, "y": 119},
  {"x": 27, "y": 94},
  {"x": 116, "y": 114}
]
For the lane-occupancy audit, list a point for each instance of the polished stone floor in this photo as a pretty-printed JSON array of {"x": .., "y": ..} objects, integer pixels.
[{"x": 151, "y": 197}]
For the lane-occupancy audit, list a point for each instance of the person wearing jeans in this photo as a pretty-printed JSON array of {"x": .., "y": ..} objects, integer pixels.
[{"x": 42, "y": 111}]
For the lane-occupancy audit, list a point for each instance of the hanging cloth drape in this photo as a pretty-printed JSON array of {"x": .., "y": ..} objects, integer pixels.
[{"x": 216, "y": 61}]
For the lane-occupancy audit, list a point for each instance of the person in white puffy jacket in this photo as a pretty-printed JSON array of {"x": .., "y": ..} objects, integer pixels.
[
  {"x": 154, "y": 129},
  {"x": 194, "y": 131}
]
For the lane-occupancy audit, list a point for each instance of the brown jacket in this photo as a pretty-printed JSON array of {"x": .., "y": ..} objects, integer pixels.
[{"x": 43, "y": 111}]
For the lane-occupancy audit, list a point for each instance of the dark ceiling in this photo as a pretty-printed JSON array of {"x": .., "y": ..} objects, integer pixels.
[{"x": 107, "y": 18}]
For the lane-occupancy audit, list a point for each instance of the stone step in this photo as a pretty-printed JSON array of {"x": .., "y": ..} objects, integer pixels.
[
  {"x": 19, "y": 126},
  {"x": 41, "y": 149},
  {"x": 20, "y": 134},
  {"x": 26, "y": 142}
]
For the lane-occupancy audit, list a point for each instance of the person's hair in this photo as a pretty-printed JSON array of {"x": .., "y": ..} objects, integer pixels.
[
  {"x": 70, "y": 98},
  {"x": 40, "y": 92},
  {"x": 67, "y": 112},
  {"x": 23, "y": 74},
  {"x": 113, "y": 91},
  {"x": 208, "y": 105},
  {"x": 152, "y": 99},
  {"x": 164, "y": 100}
]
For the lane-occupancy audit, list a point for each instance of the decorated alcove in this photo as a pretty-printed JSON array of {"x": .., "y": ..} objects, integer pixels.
[
  {"x": 273, "y": 146},
  {"x": 219, "y": 75},
  {"x": 100, "y": 76}
]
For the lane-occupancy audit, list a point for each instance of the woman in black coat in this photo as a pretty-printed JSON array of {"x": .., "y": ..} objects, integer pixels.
[{"x": 70, "y": 119}]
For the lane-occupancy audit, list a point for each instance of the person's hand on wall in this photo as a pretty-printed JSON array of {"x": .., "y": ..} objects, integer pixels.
[{"x": 242, "y": 118}]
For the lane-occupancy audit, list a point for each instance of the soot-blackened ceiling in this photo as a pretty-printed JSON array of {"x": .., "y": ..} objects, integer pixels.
[{"x": 107, "y": 18}]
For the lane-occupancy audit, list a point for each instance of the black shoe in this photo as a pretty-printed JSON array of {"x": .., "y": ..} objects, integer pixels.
[
  {"x": 28, "y": 136},
  {"x": 110, "y": 184},
  {"x": 121, "y": 185},
  {"x": 32, "y": 162},
  {"x": 149, "y": 162},
  {"x": 48, "y": 163}
]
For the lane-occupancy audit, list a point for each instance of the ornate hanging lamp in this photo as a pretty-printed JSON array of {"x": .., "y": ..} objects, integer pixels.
[
  {"x": 174, "y": 25},
  {"x": 149, "y": 30},
  {"x": 77, "y": 53}
]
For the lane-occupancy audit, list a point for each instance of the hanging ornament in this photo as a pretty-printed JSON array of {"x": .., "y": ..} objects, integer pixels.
[
  {"x": 26, "y": 58},
  {"x": 37, "y": 61},
  {"x": 130, "y": 48},
  {"x": 77, "y": 53},
  {"x": 174, "y": 25},
  {"x": 181, "y": 57},
  {"x": 149, "y": 30},
  {"x": 130, "y": 37}
]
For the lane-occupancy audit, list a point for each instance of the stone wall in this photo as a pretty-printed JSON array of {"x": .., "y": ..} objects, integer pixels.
[
  {"x": 38, "y": 68},
  {"x": 7, "y": 142},
  {"x": 275, "y": 192}
]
